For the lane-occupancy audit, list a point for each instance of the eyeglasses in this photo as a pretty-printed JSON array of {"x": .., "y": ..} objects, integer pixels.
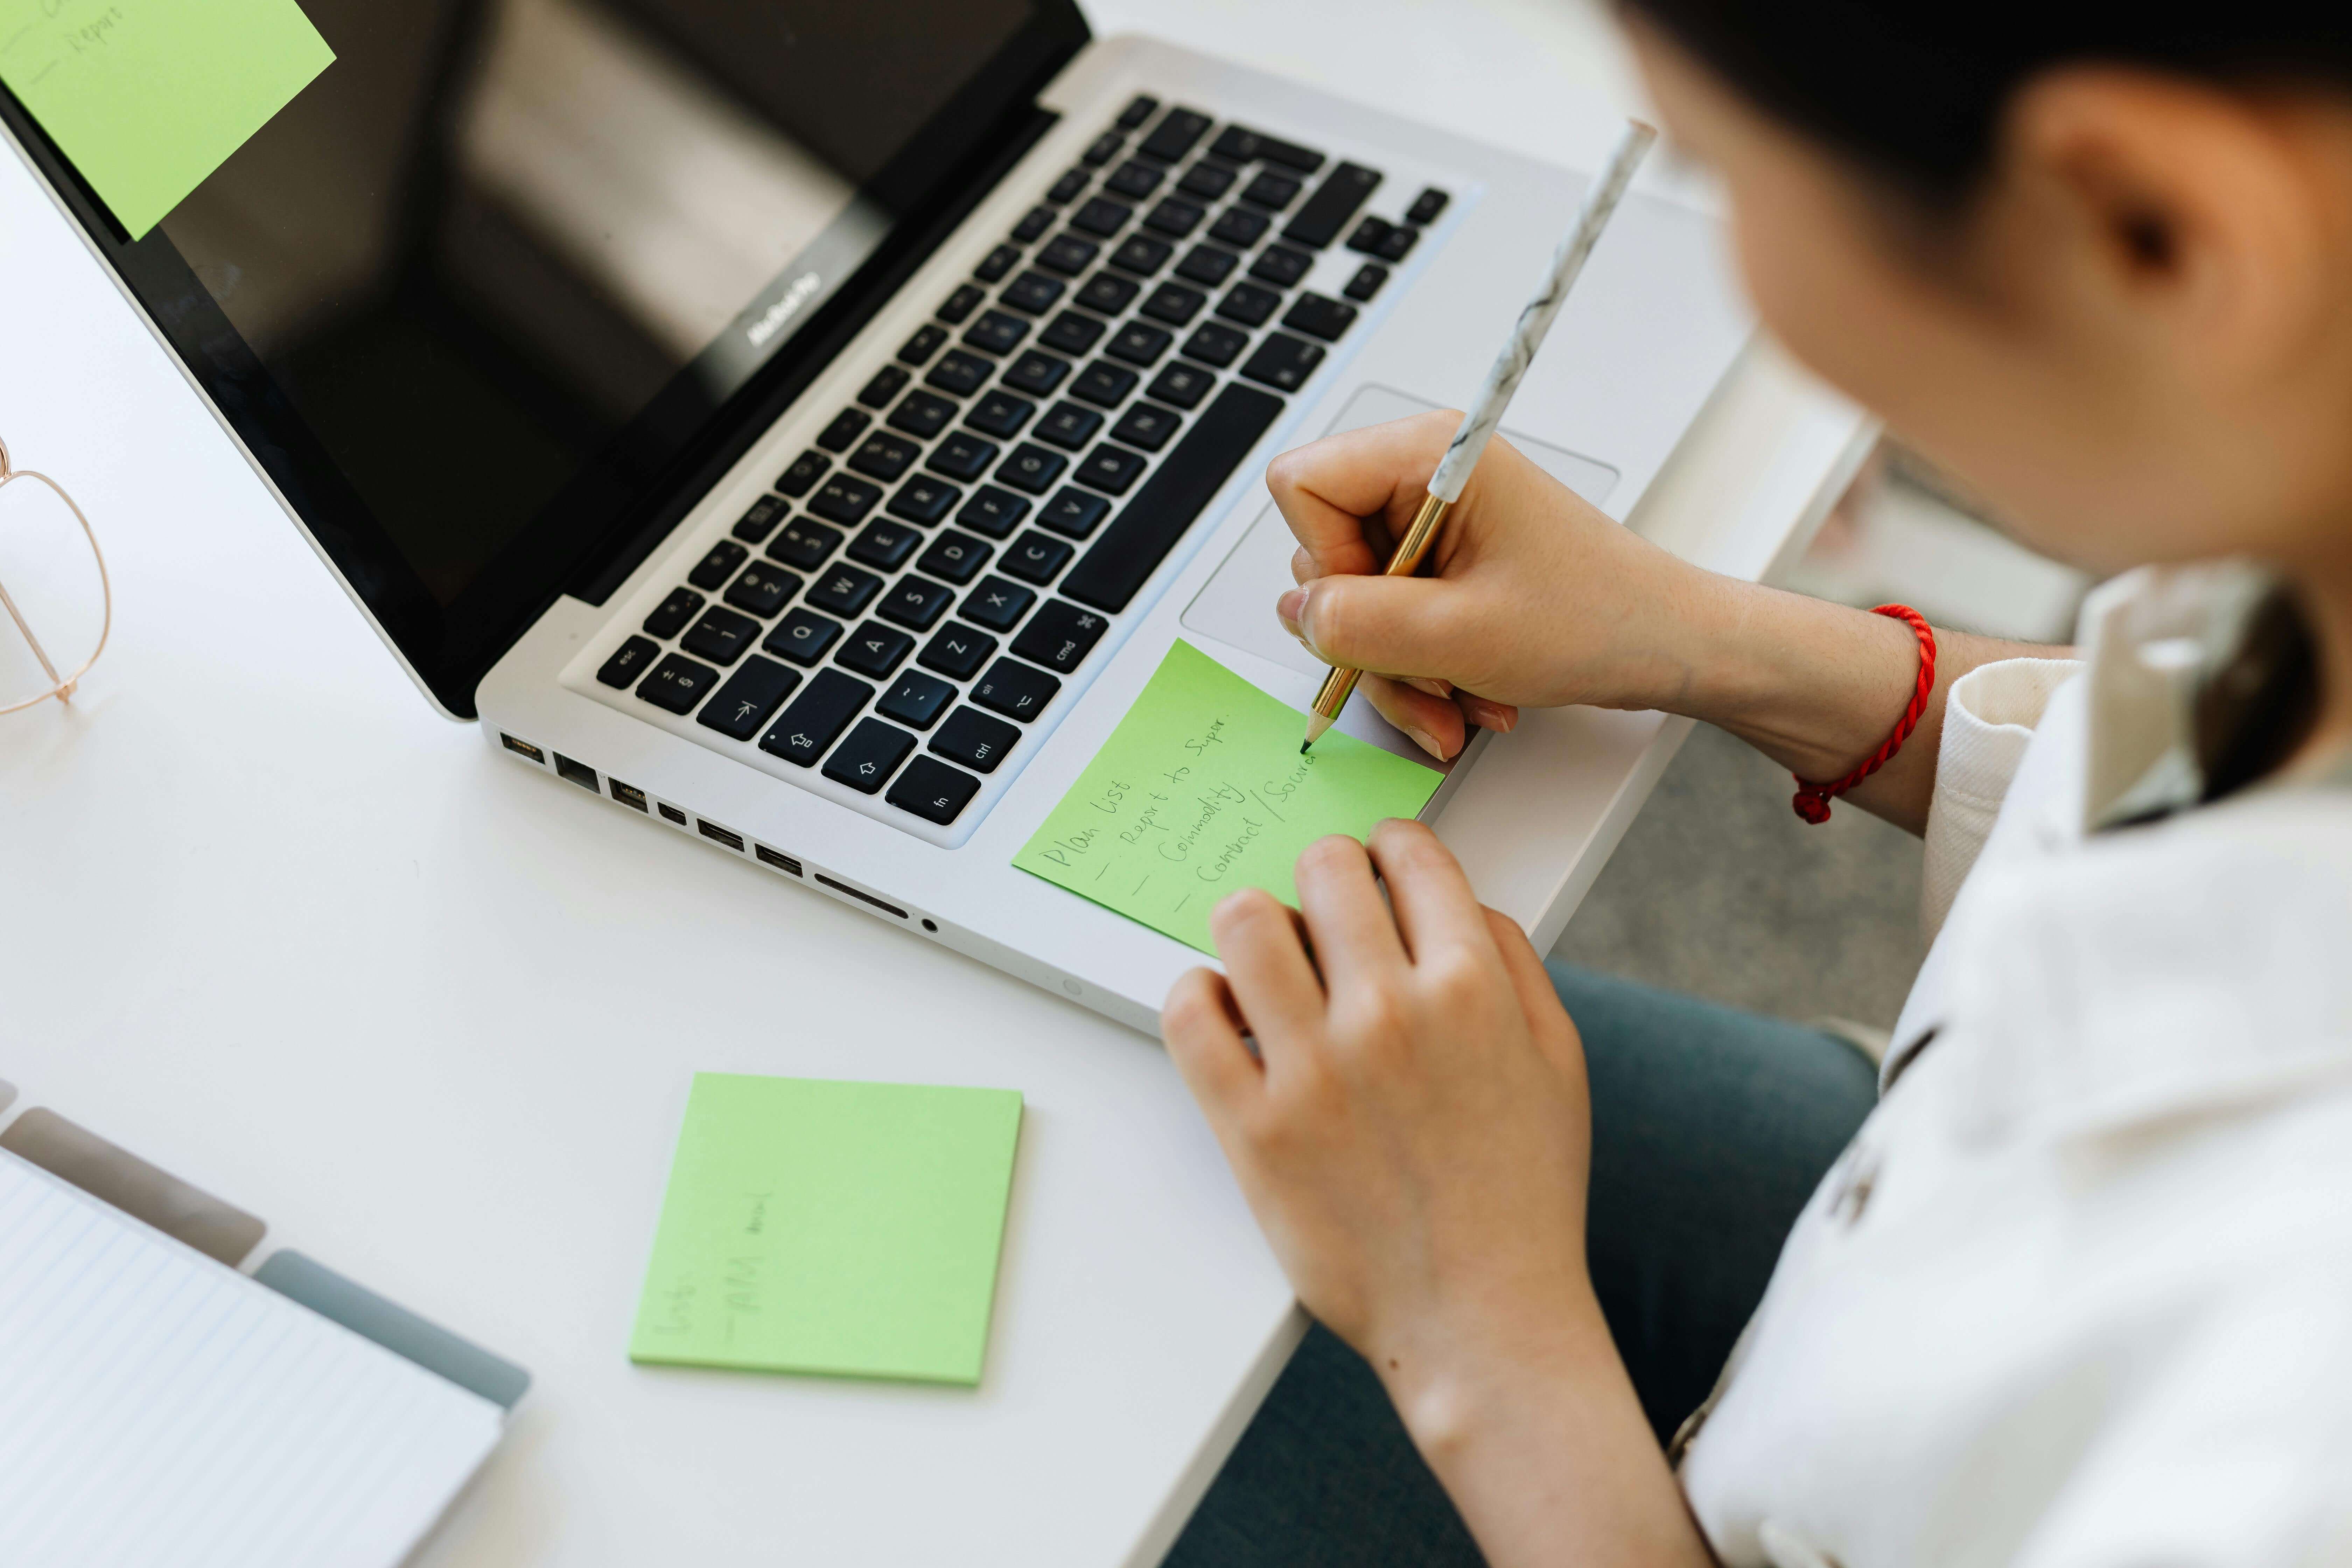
[{"x": 60, "y": 687}]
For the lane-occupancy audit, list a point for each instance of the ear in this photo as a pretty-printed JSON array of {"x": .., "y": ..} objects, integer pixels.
[{"x": 2197, "y": 217}]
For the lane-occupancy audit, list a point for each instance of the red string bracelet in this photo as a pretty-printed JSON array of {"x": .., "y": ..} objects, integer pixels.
[{"x": 1812, "y": 800}]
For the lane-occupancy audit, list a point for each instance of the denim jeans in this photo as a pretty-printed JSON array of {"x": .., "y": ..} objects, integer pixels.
[{"x": 1710, "y": 1130}]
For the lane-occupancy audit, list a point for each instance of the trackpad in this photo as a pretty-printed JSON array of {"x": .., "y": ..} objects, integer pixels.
[{"x": 1236, "y": 605}]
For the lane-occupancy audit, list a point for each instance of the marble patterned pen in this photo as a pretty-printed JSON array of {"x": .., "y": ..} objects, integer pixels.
[{"x": 1510, "y": 365}]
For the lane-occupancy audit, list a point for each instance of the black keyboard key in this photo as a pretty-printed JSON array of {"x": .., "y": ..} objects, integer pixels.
[
  {"x": 1112, "y": 468},
  {"x": 1206, "y": 181},
  {"x": 1034, "y": 223},
  {"x": 843, "y": 500},
  {"x": 677, "y": 684},
  {"x": 1105, "y": 148},
  {"x": 955, "y": 556},
  {"x": 866, "y": 761},
  {"x": 838, "y": 436},
  {"x": 750, "y": 694},
  {"x": 1069, "y": 187},
  {"x": 1283, "y": 362},
  {"x": 933, "y": 791},
  {"x": 915, "y": 602},
  {"x": 997, "y": 604},
  {"x": 805, "y": 544},
  {"x": 710, "y": 574},
  {"x": 1248, "y": 146},
  {"x": 1032, "y": 469},
  {"x": 916, "y": 700},
  {"x": 1060, "y": 635},
  {"x": 996, "y": 264},
  {"x": 1240, "y": 228},
  {"x": 630, "y": 660},
  {"x": 1318, "y": 317},
  {"x": 843, "y": 590},
  {"x": 1033, "y": 558},
  {"x": 957, "y": 651},
  {"x": 670, "y": 617},
  {"x": 1068, "y": 255},
  {"x": 1280, "y": 266},
  {"x": 875, "y": 650},
  {"x": 923, "y": 345},
  {"x": 1213, "y": 343},
  {"x": 1398, "y": 243},
  {"x": 1174, "y": 304},
  {"x": 1369, "y": 236},
  {"x": 1103, "y": 216},
  {"x": 1249, "y": 304},
  {"x": 1071, "y": 333},
  {"x": 883, "y": 545},
  {"x": 997, "y": 332},
  {"x": 1015, "y": 690},
  {"x": 1207, "y": 264},
  {"x": 887, "y": 383},
  {"x": 1000, "y": 414},
  {"x": 1366, "y": 282},
  {"x": 1073, "y": 511},
  {"x": 1134, "y": 180},
  {"x": 1068, "y": 425},
  {"x": 1149, "y": 524},
  {"x": 720, "y": 636},
  {"x": 1147, "y": 425},
  {"x": 1174, "y": 135},
  {"x": 1142, "y": 255},
  {"x": 958, "y": 372},
  {"x": 806, "y": 469},
  {"x": 1037, "y": 373},
  {"x": 820, "y": 713},
  {"x": 1032, "y": 292},
  {"x": 1139, "y": 109},
  {"x": 1109, "y": 293},
  {"x": 963, "y": 456},
  {"x": 924, "y": 415},
  {"x": 924, "y": 499},
  {"x": 802, "y": 637},
  {"x": 1175, "y": 216},
  {"x": 1426, "y": 207},
  {"x": 992, "y": 512},
  {"x": 762, "y": 589},
  {"x": 1334, "y": 202},
  {"x": 882, "y": 457},
  {"x": 961, "y": 304},
  {"x": 1106, "y": 384},
  {"x": 975, "y": 739},
  {"x": 1181, "y": 385},
  {"x": 1138, "y": 343},
  {"x": 1272, "y": 191}
]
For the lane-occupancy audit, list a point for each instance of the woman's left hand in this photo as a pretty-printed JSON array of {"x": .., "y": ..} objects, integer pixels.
[{"x": 1413, "y": 1132}]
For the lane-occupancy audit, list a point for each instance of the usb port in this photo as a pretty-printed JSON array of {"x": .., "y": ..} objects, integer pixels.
[
  {"x": 627, "y": 795},
  {"x": 718, "y": 834},
  {"x": 781, "y": 862},
  {"x": 580, "y": 773},
  {"x": 671, "y": 813},
  {"x": 524, "y": 748}
]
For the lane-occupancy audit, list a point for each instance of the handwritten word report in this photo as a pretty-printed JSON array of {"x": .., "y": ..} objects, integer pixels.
[{"x": 1202, "y": 789}]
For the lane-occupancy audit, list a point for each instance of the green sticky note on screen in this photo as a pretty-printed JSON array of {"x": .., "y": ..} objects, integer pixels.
[
  {"x": 1201, "y": 790},
  {"x": 815, "y": 1225},
  {"x": 147, "y": 97}
]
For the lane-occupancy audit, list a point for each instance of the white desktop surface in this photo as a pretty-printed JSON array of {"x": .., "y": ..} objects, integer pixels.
[{"x": 269, "y": 922}]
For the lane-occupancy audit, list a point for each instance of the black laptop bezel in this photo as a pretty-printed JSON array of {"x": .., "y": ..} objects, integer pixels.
[{"x": 948, "y": 167}]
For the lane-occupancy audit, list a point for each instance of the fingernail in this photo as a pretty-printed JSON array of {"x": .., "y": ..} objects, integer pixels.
[
  {"x": 1427, "y": 742},
  {"x": 1491, "y": 715},
  {"x": 1289, "y": 607}
]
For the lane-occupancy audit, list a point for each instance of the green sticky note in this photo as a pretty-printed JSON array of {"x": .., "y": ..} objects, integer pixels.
[
  {"x": 1202, "y": 789},
  {"x": 147, "y": 97},
  {"x": 813, "y": 1225}
]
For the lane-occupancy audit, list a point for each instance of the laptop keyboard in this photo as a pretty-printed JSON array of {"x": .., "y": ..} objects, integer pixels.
[{"x": 962, "y": 537}]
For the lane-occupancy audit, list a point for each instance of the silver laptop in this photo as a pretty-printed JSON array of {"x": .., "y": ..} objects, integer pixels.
[{"x": 806, "y": 426}]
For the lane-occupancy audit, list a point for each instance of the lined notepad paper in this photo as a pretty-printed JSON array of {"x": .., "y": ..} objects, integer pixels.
[{"x": 156, "y": 1408}]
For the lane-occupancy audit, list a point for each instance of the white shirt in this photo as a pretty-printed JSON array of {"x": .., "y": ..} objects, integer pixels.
[{"x": 2081, "y": 1292}]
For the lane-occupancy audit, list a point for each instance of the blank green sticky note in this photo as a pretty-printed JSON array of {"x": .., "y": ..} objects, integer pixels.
[
  {"x": 147, "y": 97},
  {"x": 1202, "y": 789},
  {"x": 813, "y": 1226}
]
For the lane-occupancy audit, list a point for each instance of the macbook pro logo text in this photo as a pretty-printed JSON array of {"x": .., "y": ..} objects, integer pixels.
[{"x": 772, "y": 320}]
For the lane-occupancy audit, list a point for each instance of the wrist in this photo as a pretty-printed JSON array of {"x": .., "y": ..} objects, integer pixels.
[{"x": 1453, "y": 1383}]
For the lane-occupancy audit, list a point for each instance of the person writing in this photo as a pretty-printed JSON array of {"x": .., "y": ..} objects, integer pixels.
[{"x": 2077, "y": 1287}]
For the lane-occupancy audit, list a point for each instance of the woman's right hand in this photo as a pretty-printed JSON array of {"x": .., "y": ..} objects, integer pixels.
[{"x": 1532, "y": 596}]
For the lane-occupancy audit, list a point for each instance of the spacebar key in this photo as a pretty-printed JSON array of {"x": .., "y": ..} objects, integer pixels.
[{"x": 1149, "y": 526}]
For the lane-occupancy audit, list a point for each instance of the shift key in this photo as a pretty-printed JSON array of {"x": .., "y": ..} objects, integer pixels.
[
  {"x": 1334, "y": 202},
  {"x": 816, "y": 718}
]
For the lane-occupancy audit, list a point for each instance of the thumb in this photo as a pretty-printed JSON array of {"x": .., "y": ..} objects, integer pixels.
[{"x": 1390, "y": 626}]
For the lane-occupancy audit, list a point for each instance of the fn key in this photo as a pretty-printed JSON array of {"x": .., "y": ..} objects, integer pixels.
[{"x": 933, "y": 791}]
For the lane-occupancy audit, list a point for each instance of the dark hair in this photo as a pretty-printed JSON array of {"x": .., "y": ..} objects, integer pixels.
[{"x": 1915, "y": 89}]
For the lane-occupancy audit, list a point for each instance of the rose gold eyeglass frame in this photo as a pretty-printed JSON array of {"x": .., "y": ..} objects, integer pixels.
[{"x": 61, "y": 687}]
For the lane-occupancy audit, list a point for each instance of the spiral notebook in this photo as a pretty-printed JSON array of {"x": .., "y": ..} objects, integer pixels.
[{"x": 158, "y": 1408}]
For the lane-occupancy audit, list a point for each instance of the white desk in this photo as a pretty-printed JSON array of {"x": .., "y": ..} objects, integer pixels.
[{"x": 266, "y": 921}]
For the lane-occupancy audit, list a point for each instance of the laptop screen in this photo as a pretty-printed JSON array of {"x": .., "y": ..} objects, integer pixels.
[{"x": 496, "y": 266}]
